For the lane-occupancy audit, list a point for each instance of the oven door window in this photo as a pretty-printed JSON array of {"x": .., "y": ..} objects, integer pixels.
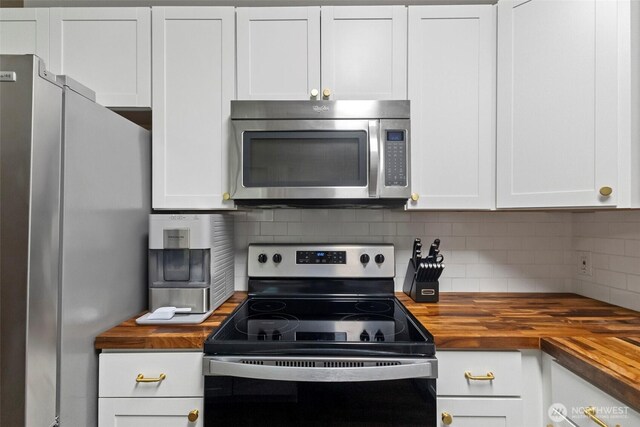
[
  {"x": 243, "y": 402},
  {"x": 305, "y": 158}
]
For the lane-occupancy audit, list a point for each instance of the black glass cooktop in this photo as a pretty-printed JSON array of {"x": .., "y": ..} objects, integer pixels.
[{"x": 317, "y": 326}]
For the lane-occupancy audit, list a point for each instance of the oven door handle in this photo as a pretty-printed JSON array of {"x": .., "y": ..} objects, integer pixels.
[{"x": 419, "y": 369}]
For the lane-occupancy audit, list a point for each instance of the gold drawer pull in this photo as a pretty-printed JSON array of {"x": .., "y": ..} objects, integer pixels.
[
  {"x": 590, "y": 412},
  {"x": 193, "y": 416},
  {"x": 489, "y": 377},
  {"x": 447, "y": 418},
  {"x": 141, "y": 379}
]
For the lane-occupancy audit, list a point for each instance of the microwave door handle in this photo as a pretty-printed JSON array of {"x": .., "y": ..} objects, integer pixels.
[{"x": 374, "y": 157}]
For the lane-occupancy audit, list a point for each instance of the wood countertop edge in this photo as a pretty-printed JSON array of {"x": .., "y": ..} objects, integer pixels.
[{"x": 606, "y": 379}]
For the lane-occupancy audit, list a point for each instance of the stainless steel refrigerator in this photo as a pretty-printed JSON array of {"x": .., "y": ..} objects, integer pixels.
[{"x": 74, "y": 204}]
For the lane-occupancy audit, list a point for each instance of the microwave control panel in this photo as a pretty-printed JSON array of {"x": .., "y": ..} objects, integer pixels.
[{"x": 395, "y": 156}]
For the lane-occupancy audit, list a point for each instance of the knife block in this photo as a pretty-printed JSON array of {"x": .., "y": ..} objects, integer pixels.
[{"x": 420, "y": 291}]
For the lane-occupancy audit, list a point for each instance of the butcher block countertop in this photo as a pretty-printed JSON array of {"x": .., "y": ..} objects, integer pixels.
[{"x": 597, "y": 340}]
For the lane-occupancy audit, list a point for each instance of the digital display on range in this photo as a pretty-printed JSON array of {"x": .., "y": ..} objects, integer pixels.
[{"x": 321, "y": 257}]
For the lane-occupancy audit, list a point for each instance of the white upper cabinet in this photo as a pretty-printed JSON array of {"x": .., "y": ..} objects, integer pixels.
[
  {"x": 278, "y": 52},
  {"x": 106, "y": 49},
  {"x": 193, "y": 85},
  {"x": 364, "y": 52},
  {"x": 558, "y": 70},
  {"x": 452, "y": 84},
  {"x": 24, "y": 31}
]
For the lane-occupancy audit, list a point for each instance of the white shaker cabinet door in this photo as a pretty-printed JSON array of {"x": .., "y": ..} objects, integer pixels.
[
  {"x": 106, "y": 49},
  {"x": 557, "y": 103},
  {"x": 150, "y": 412},
  {"x": 475, "y": 412},
  {"x": 193, "y": 85},
  {"x": 452, "y": 94},
  {"x": 24, "y": 31},
  {"x": 364, "y": 52},
  {"x": 278, "y": 52}
]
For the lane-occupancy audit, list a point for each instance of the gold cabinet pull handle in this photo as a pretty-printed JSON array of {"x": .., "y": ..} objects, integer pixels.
[
  {"x": 415, "y": 197},
  {"x": 447, "y": 418},
  {"x": 326, "y": 93},
  {"x": 193, "y": 416},
  {"x": 226, "y": 196},
  {"x": 141, "y": 379},
  {"x": 489, "y": 377},
  {"x": 606, "y": 191},
  {"x": 590, "y": 412}
]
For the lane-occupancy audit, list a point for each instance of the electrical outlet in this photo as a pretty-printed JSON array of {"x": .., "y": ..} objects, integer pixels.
[{"x": 584, "y": 264}]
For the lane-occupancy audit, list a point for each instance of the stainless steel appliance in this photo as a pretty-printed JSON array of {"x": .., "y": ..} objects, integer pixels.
[
  {"x": 190, "y": 261},
  {"x": 320, "y": 341},
  {"x": 74, "y": 197},
  {"x": 320, "y": 152}
]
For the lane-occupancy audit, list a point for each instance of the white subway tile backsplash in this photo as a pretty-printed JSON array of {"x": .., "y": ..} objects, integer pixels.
[
  {"x": 608, "y": 246},
  {"x": 613, "y": 237},
  {"x": 369, "y": 215},
  {"x": 382, "y": 229},
  {"x": 476, "y": 243},
  {"x": 612, "y": 279},
  {"x": 484, "y": 251},
  {"x": 466, "y": 285},
  {"x": 273, "y": 228}
]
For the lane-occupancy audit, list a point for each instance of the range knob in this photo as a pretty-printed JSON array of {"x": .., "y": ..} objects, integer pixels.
[
  {"x": 262, "y": 258},
  {"x": 364, "y": 336},
  {"x": 277, "y": 258},
  {"x": 379, "y": 258},
  {"x": 364, "y": 258}
]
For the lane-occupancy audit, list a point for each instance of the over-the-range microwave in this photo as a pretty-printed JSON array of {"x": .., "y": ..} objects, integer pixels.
[{"x": 320, "y": 152}]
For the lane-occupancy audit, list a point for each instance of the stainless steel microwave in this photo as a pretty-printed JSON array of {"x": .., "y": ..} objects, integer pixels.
[{"x": 320, "y": 152}]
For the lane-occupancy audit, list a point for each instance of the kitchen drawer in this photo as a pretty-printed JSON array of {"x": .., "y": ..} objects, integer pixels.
[
  {"x": 182, "y": 374},
  {"x": 506, "y": 367},
  {"x": 573, "y": 394}
]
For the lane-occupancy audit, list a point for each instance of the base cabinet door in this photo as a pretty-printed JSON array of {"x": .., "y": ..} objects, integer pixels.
[
  {"x": 452, "y": 94},
  {"x": 479, "y": 412},
  {"x": 577, "y": 402},
  {"x": 150, "y": 412},
  {"x": 193, "y": 85}
]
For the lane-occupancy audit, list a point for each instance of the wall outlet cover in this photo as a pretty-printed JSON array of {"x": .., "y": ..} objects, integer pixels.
[{"x": 584, "y": 264}]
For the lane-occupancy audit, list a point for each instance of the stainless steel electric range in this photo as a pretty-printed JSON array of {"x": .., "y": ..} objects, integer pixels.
[{"x": 320, "y": 341}]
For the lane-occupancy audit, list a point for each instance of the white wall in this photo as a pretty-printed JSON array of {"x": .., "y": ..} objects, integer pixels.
[
  {"x": 484, "y": 251},
  {"x": 613, "y": 238}
]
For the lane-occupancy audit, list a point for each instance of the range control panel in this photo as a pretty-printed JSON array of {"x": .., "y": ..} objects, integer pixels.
[
  {"x": 321, "y": 257},
  {"x": 321, "y": 260}
]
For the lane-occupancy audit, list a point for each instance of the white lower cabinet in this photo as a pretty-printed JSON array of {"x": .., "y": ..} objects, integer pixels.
[
  {"x": 574, "y": 397},
  {"x": 479, "y": 412},
  {"x": 150, "y": 389},
  {"x": 150, "y": 412},
  {"x": 480, "y": 388}
]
